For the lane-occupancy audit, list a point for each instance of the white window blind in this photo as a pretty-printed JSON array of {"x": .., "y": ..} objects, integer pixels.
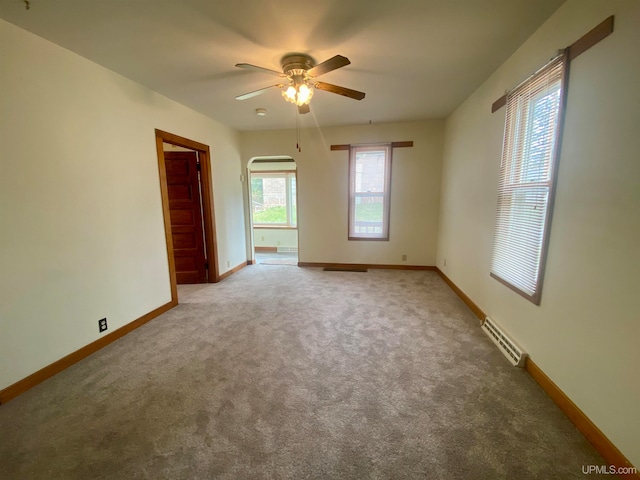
[{"x": 526, "y": 182}]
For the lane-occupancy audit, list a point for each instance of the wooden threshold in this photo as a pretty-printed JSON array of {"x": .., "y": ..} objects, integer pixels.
[
  {"x": 346, "y": 266},
  {"x": 591, "y": 432},
  {"x": 49, "y": 371}
]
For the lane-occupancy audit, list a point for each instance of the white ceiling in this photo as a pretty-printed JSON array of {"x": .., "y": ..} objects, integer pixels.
[{"x": 415, "y": 59}]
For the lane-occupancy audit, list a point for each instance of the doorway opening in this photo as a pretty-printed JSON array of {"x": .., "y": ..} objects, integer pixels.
[
  {"x": 273, "y": 200},
  {"x": 187, "y": 205}
]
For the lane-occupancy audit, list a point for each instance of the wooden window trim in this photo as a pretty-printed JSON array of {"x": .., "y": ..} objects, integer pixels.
[
  {"x": 584, "y": 43},
  {"x": 393, "y": 145},
  {"x": 270, "y": 226}
]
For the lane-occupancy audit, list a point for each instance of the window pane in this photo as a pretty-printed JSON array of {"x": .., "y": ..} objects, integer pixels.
[
  {"x": 539, "y": 142},
  {"x": 269, "y": 199},
  {"x": 368, "y": 214},
  {"x": 370, "y": 171}
]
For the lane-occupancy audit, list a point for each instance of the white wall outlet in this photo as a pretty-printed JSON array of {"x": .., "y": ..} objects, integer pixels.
[
  {"x": 445, "y": 262},
  {"x": 228, "y": 263},
  {"x": 404, "y": 257},
  {"x": 262, "y": 238}
]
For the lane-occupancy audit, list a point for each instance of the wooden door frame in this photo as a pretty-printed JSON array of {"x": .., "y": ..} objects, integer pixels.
[{"x": 208, "y": 212}]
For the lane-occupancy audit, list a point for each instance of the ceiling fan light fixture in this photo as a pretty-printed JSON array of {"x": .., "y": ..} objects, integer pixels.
[
  {"x": 304, "y": 94},
  {"x": 300, "y": 72},
  {"x": 298, "y": 95},
  {"x": 290, "y": 94}
]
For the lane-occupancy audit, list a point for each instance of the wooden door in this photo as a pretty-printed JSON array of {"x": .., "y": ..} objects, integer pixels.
[{"x": 183, "y": 188}]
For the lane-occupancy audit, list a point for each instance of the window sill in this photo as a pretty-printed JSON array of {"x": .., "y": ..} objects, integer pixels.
[
  {"x": 375, "y": 239},
  {"x": 275, "y": 227}
]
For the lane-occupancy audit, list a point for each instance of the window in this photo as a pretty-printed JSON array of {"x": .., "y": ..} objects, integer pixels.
[
  {"x": 369, "y": 181},
  {"x": 526, "y": 183},
  {"x": 273, "y": 199}
]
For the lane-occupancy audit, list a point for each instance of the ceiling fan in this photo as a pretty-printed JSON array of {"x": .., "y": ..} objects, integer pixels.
[{"x": 298, "y": 75}]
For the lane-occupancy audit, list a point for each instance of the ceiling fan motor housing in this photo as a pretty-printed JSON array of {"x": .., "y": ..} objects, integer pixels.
[{"x": 296, "y": 61}]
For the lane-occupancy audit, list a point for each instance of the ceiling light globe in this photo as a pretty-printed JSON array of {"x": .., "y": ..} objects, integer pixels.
[{"x": 304, "y": 94}]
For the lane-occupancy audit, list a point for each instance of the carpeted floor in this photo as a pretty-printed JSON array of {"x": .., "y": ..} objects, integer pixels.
[{"x": 292, "y": 373}]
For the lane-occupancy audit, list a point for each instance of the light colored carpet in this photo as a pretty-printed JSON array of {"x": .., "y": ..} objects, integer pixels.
[{"x": 284, "y": 372}]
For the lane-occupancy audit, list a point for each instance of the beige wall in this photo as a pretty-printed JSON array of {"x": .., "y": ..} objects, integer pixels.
[
  {"x": 585, "y": 334},
  {"x": 323, "y": 190},
  {"x": 81, "y": 228},
  {"x": 275, "y": 237}
]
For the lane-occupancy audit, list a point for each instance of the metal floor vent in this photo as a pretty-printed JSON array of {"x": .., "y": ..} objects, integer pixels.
[{"x": 507, "y": 346}]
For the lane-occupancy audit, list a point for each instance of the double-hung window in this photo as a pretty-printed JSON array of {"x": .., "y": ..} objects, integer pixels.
[
  {"x": 369, "y": 192},
  {"x": 273, "y": 199},
  {"x": 527, "y": 178}
]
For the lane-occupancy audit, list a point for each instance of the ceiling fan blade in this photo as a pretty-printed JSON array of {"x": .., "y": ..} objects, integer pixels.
[
  {"x": 347, "y": 92},
  {"x": 255, "y": 68},
  {"x": 255, "y": 93},
  {"x": 329, "y": 65},
  {"x": 302, "y": 109}
]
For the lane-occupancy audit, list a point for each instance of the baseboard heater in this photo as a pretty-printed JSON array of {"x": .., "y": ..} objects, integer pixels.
[
  {"x": 287, "y": 249},
  {"x": 507, "y": 346}
]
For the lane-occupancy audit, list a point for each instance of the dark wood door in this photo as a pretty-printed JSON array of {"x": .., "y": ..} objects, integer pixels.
[{"x": 183, "y": 187}]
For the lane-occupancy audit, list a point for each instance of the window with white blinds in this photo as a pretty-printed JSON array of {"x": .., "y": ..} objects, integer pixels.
[{"x": 527, "y": 177}]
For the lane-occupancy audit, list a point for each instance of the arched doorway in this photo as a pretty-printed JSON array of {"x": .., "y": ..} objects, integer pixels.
[{"x": 273, "y": 210}]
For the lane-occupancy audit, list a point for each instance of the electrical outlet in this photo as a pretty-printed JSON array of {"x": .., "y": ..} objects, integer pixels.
[
  {"x": 262, "y": 238},
  {"x": 228, "y": 263},
  {"x": 102, "y": 324},
  {"x": 445, "y": 262},
  {"x": 404, "y": 257}
]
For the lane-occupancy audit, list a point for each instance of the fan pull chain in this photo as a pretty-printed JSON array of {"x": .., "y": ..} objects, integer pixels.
[{"x": 298, "y": 130}]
